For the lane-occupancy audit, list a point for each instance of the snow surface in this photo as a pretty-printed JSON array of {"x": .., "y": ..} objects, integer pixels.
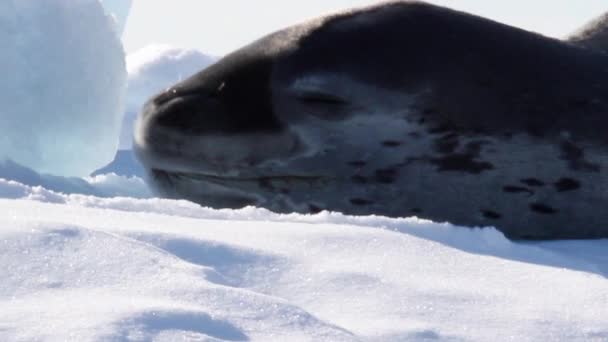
[
  {"x": 119, "y": 10},
  {"x": 151, "y": 70},
  {"x": 62, "y": 86},
  {"x": 77, "y": 268}
]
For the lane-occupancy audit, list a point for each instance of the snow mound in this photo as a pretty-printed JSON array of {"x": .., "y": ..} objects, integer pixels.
[
  {"x": 62, "y": 86},
  {"x": 77, "y": 267},
  {"x": 101, "y": 185},
  {"x": 151, "y": 70},
  {"x": 119, "y": 10}
]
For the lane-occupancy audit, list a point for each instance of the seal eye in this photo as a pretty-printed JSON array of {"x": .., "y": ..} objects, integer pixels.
[
  {"x": 324, "y": 106},
  {"x": 318, "y": 98},
  {"x": 217, "y": 92}
]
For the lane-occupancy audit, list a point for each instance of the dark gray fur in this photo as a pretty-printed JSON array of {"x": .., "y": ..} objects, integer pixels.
[
  {"x": 399, "y": 109},
  {"x": 594, "y": 35}
]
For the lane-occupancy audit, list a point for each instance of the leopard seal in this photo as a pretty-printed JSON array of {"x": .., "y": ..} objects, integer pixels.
[{"x": 399, "y": 109}]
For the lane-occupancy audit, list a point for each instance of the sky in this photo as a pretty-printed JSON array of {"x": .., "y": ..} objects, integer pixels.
[{"x": 218, "y": 27}]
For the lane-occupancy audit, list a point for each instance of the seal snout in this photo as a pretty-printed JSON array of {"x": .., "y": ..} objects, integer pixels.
[
  {"x": 197, "y": 131},
  {"x": 187, "y": 113}
]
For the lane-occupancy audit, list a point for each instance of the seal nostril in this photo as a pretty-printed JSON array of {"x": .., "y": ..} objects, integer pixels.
[
  {"x": 165, "y": 97},
  {"x": 180, "y": 112},
  {"x": 174, "y": 93}
]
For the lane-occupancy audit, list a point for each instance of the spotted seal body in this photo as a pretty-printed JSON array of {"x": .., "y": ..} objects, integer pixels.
[{"x": 400, "y": 109}]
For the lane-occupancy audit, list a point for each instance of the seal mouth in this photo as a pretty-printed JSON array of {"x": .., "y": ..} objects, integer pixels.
[
  {"x": 235, "y": 192},
  {"x": 288, "y": 178},
  {"x": 214, "y": 178}
]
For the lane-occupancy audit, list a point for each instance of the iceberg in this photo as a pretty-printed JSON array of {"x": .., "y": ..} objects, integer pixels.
[{"x": 63, "y": 85}]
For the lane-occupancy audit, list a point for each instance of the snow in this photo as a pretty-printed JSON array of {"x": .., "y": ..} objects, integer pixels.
[
  {"x": 62, "y": 87},
  {"x": 151, "y": 70},
  {"x": 79, "y": 267},
  {"x": 119, "y": 10},
  {"x": 108, "y": 184}
]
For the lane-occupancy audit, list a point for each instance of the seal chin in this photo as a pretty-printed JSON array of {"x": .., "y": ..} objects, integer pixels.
[
  {"x": 233, "y": 192},
  {"x": 202, "y": 177},
  {"x": 194, "y": 188}
]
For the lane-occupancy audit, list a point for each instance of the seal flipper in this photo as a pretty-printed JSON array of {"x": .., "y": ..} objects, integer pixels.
[{"x": 593, "y": 36}]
